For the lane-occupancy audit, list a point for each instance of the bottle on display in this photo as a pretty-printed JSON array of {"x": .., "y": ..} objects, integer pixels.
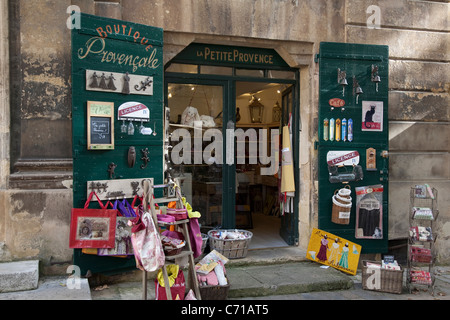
[
  {"x": 332, "y": 129},
  {"x": 344, "y": 129},
  {"x": 338, "y": 129},
  {"x": 350, "y": 130},
  {"x": 326, "y": 124}
]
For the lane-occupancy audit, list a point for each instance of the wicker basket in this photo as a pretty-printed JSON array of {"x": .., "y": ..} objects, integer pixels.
[
  {"x": 231, "y": 249},
  {"x": 340, "y": 212},
  {"x": 214, "y": 292},
  {"x": 204, "y": 241},
  {"x": 390, "y": 281}
]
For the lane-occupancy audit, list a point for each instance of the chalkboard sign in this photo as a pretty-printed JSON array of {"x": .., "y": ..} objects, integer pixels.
[{"x": 100, "y": 125}]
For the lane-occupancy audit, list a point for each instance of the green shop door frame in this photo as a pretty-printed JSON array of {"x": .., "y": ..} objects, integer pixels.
[
  {"x": 339, "y": 99},
  {"x": 251, "y": 58},
  {"x": 114, "y": 63}
]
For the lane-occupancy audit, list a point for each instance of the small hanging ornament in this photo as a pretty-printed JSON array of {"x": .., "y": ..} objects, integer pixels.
[
  {"x": 276, "y": 113},
  {"x": 130, "y": 128}
]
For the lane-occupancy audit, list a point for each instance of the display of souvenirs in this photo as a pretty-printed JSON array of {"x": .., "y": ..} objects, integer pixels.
[
  {"x": 422, "y": 213},
  {"x": 211, "y": 270},
  {"x": 420, "y": 277},
  {"x": 331, "y": 250},
  {"x": 419, "y": 254},
  {"x": 229, "y": 235},
  {"x": 171, "y": 245},
  {"x": 421, "y": 233},
  {"x": 384, "y": 265}
]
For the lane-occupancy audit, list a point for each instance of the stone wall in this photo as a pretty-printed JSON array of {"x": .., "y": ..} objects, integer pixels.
[{"x": 417, "y": 33}]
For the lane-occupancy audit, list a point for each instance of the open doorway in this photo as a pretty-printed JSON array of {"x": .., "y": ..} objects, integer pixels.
[{"x": 259, "y": 113}]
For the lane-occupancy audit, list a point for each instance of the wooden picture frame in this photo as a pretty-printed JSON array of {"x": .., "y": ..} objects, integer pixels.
[{"x": 100, "y": 125}]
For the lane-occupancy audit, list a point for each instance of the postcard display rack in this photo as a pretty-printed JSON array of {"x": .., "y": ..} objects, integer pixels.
[{"x": 421, "y": 254}]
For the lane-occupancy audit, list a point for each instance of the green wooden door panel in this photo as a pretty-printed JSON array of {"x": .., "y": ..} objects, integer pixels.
[
  {"x": 109, "y": 45},
  {"x": 357, "y": 60}
]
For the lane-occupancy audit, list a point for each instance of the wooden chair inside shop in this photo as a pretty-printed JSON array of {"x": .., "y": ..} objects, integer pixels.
[{"x": 149, "y": 201}]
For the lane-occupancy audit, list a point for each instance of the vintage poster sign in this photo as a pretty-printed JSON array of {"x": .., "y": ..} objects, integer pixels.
[
  {"x": 372, "y": 116},
  {"x": 334, "y": 251}
]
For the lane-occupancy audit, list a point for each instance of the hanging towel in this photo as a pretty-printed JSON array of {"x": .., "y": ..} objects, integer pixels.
[{"x": 287, "y": 170}]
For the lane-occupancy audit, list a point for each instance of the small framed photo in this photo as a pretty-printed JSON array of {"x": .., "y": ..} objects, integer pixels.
[
  {"x": 420, "y": 191},
  {"x": 92, "y": 228}
]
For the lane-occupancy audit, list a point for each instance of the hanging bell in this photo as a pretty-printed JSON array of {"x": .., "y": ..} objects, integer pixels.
[
  {"x": 342, "y": 80},
  {"x": 376, "y": 80},
  {"x": 358, "y": 90},
  {"x": 375, "y": 77}
]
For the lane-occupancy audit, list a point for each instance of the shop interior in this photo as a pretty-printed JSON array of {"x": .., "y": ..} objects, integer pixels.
[{"x": 258, "y": 106}]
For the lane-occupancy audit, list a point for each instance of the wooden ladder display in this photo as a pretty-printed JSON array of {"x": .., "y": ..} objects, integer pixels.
[{"x": 174, "y": 194}]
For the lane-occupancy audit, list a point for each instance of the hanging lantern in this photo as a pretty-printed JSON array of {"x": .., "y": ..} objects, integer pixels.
[
  {"x": 256, "y": 110},
  {"x": 276, "y": 113}
]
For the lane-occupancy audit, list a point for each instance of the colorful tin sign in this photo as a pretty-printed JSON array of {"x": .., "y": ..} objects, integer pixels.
[
  {"x": 334, "y": 251},
  {"x": 133, "y": 111},
  {"x": 336, "y": 102}
]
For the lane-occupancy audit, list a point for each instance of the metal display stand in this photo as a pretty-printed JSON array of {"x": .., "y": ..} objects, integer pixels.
[
  {"x": 424, "y": 257},
  {"x": 173, "y": 194}
]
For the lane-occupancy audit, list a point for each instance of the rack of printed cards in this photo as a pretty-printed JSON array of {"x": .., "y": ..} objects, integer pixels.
[{"x": 423, "y": 213}]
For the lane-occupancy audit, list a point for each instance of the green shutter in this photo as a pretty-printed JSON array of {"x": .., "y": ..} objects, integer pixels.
[
  {"x": 118, "y": 47},
  {"x": 357, "y": 60}
]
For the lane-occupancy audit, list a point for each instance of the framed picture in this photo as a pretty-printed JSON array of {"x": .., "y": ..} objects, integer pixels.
[
  {"x": 92, "y": 228},
  {"x": 100, "y": 125}
]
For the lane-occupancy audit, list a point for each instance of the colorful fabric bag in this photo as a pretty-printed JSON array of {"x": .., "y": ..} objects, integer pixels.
[{"x": 148, "y": 250}]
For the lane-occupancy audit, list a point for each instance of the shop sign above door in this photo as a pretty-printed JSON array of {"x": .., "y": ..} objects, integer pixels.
[{"x": 230, "y": 55}]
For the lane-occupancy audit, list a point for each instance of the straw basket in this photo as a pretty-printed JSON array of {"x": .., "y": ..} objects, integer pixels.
[
  {"x": 390, "y": 281},
  {"x": 342, "y": 205},
  {"x": 230, "y": 248}
]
